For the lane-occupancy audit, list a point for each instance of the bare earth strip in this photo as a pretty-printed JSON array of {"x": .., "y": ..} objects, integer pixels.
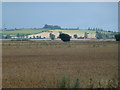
[
  {"x": 38, "y": 64},
  {"x": 47, "y": 35}
]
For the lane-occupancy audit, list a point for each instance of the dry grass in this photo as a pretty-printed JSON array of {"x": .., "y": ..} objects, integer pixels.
[{"x": 42, "y": 63}]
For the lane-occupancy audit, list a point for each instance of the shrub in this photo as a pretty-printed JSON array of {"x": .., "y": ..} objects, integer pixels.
[
  {"x": 63, "y": 82},
  {"x": 86, "y": 35},
  {"x": 52, "y": 36},
  {"x": 75, "y": 36},
  {"x": 8, "y": 36},
  {"x": 76, "y": 83},
  {"x": 37, "y": 37},
  {"x": 117, "y": 37},
  {"x": 64, "y": 37},
  {"x": 34, "y": 37}
]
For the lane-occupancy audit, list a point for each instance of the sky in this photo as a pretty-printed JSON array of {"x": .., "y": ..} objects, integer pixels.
[
  {"x": 103, "y": 15},
  {"x": 0, "y": 15}
]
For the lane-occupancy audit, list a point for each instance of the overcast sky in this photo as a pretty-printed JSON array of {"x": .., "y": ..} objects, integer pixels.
[{"x": 102, "y": 15}]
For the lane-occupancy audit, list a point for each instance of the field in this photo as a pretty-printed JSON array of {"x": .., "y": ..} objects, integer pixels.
[
  {"x": 43, "y": 64},
  {"x": 74, "y": 31},
  {"x": 80, "y": 33},
  {"x": 36, "y": 32},
  {"x": 22, "y": 31}
]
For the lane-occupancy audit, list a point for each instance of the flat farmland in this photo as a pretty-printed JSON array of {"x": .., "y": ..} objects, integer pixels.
[
  {"x": 22, "y": 31},
  {"x": 42, "y": 64}
]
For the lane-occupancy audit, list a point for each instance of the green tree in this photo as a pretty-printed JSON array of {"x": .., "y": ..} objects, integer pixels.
[
  {"x": 37, "y": 37},
  {"x": 89, "y": 28},
  {"x": 40, "y": 37},
  {"x": 34, "y": 37},
  {"x": 8, "y": 36},
  {"x": 22, "y": 35},
  {"x": 18, "y": 35},
  {"x": 51, "y": 27},
  {"x": 75, "y": 36},
  {"x": 98, "y": 35},
  {"x": 86, "y": 35},
  {"x": 117, "y": 37},
  {"x": 64, "y": 37},
  {"x": 52, "y": 36}
]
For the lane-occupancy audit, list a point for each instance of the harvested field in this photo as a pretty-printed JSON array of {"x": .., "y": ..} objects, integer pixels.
[
  {"x": 56, "y": 33},
  {"x": 40, "y": 64}
]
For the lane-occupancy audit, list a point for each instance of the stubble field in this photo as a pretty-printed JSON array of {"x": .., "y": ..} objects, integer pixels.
[{"x": 43, "y": 64}]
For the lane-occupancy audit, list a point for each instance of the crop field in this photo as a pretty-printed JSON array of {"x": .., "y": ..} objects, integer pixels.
[
  {"x": 80, "y": 31},
  {"x": 23, "y": 31},
  {"x": 47, "y": 34},
  {"x": 56, "y": 64},
  {"x": 74, "y": 31},
  {"x": 31, "y": 33}
]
